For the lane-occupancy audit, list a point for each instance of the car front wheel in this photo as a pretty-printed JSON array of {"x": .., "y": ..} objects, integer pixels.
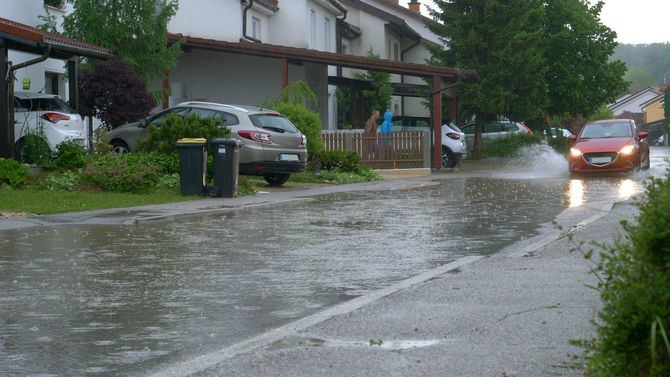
[
  {"x": 276, "y": 179},
  {"x": 119, "y": 147}
]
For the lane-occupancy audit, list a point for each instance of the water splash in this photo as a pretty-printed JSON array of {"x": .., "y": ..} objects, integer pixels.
[{"x": 537, "y": 161}]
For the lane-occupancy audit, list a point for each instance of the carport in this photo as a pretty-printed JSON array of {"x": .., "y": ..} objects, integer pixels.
[
  {"x": 24, "y": 38},
  {"x": 443, "y": 77}
]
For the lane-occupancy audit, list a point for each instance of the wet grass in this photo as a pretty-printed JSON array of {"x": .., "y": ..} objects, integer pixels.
[
  {"x": 335, "y": 176},
  {"x": 33, "y": 201}
]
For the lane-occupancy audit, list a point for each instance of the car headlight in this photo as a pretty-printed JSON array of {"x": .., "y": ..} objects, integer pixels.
[
  {"x": 627, "y": 150},
  {"x": 574, "y": 152}
]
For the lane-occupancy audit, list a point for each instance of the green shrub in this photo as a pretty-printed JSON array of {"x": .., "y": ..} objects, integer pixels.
[
  {"x": 307, "y": 121},
  {"x": 635, "y": 290},
  {"x": 336, "y": 176},
  {"x": 70, "y": 155},
  {"x": 130, "y": 172},
  {"x": 509, "y": 145},
  {"x": 165, "y": 163},
  {"x": 245, "y": 186},
  {"x": 560, "y": 143},
  {"x": 68, "y": 180},
  {"x": 35, "y": 150},
  {"x": 163, "y": 139},
  {"x": 343, "y": 160},
  {"x": 12, "y": 172},
  {"x": 169, "y": 182}
]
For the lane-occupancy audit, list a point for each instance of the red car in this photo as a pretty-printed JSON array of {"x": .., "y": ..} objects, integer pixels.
[{"x": 613, "y": 145}]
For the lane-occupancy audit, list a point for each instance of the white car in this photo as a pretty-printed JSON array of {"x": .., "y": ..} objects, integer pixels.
[
  {"x": 454, "y": 146},
  {"x": 47, "y": 115},
  {"x": 495, "y": 129}
]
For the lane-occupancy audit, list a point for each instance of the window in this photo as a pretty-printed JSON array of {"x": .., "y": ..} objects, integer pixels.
[
  {"x": 160, "y": 117},
  {"x": 228, "y": 119},
  {"x": 326, "y": 33},
  {"x": 312, "y": 27},
  {"x": 50, "y": 83},
  {"x": 256, "y": 27}
]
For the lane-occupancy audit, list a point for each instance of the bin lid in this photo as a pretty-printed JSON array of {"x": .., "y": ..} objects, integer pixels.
[
  {"x": 226, "y": 141},
  {"x": 192, "y": 140}
]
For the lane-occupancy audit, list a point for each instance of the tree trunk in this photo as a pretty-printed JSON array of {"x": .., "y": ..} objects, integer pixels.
[{"x": 479, "y": 126}]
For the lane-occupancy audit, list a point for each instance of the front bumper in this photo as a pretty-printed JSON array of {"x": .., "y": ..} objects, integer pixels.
[
  {"x": 277, "y": 167},
  {"x": 620, "y": 163}
]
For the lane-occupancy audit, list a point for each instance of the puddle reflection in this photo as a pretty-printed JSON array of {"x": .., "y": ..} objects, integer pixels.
[
  {"x": 628, "y": 188},
  {"x": 576, "y": 193}
]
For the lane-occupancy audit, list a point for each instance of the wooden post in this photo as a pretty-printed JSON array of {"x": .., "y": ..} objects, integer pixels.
[
  {"x": 72, "y": 82},
  {"x": 6, "y": 101},
  {"x": 437, "y": 122},
  {"x": 166, "y": 89},
  {"x": 284, "y": 73},
  {"x": 425, "y": 147}
]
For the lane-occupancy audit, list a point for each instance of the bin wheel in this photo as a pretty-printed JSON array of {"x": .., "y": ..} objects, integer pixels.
[
  {"x": 212, "y": 191},
  {"x": 276, "y": 179}
]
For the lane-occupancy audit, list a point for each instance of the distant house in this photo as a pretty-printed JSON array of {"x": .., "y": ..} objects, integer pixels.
[
  {"x": 654, "y": 109},
  {"x": 632, "y": 104}
]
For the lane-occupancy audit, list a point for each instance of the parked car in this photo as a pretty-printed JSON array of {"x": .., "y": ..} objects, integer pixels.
[
  {"x": 453, "y": 139},
  {"x": 559, "y": 131},
  {"x": 47, "y": 115},
  {"x": 271, "y": 145},
  {"x": 495, "y": 129},
  {"x": 614, "y": 145}
]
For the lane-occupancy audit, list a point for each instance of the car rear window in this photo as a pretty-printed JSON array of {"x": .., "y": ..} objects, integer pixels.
[
  {"x": 454, "y": 127},
  {"x": 44, "y": 104},
  {"x": 606, "y": 130},
  {"x": 273, "y": 122}
]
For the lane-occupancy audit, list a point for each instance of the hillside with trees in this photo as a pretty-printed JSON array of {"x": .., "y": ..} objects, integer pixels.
[{"x": 648, "y": 64}]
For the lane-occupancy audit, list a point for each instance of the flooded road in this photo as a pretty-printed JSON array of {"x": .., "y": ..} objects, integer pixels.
[{"x": 123, "y": 300}]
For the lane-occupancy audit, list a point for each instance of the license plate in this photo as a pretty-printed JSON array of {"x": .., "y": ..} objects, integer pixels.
[
  {"x": 289, "y": 157},
  {"x": 601, "y": 160}
]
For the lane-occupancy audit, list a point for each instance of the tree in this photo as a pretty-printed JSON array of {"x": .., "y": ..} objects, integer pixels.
[
  {"x": 114, "y": 93},
  {"x": 500, "y": 40},
  {"x": 638, "y": 79},
  {"x": 580, "y": 76},
  {"x": 135, "y": 31}
]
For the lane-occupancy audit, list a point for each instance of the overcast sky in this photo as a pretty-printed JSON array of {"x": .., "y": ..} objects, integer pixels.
[{"x": 635, "y": 21}]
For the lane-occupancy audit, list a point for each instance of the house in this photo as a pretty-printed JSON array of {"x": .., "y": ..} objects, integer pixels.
[
  {"x": 49, "y": 76},
  {"x": 632, "y": 104},
  {"x": 654, "y": 109}
]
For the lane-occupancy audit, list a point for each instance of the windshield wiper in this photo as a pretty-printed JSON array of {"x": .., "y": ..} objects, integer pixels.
[{"x": 277, "y": 129}]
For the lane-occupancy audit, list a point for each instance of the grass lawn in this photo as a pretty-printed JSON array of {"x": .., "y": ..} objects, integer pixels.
[{"x": 46, "y": 202}]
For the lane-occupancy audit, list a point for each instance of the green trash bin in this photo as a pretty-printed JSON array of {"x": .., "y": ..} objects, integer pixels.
[
  {"x": 226, "y": 153},
  {"x": 192, "y": 165}
]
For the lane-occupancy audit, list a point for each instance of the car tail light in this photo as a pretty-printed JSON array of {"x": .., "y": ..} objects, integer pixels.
[
  {"x": 525, "y": 126},
  {"x": 55, "y": 117},
  {"x": 261, "y": 137},
  {"x": 453, "y": 135}
]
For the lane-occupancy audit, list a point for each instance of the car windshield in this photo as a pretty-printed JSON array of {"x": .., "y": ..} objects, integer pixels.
[
  {"x": 606, "y": 130},
  {"x": 273, "y": 122},
  {"x": 44, "y": 104}
]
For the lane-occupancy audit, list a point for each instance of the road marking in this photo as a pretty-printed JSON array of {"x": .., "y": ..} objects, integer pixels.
[{"x": 211, "y": 359}]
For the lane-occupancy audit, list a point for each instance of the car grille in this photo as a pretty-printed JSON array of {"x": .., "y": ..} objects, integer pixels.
[{"x": 603, "y": 158}]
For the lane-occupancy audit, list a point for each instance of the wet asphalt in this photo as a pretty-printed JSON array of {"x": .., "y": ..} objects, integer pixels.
[{"x": 126, "y": 299}]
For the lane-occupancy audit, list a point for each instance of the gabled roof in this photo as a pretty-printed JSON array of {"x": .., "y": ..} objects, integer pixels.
[
  {"x": 329, "y": 58},
  {"x": 631, "y": 98},
  {"x": 26, "y": 38},
  {"x": 396, "y": 23},
  {"x": 658, "y": 98}
]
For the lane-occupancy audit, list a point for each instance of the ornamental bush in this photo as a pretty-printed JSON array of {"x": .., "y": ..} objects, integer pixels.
[
  {"x": 508, "y": 146},
  {"x": 634, "y": 323},
  {"x": 70, "y": 155},
  {"x": 12, "y": 172},
  {"x": 163, "y": 139},
  {"x": 130, "y": 172},
  {"x": 307, "y": 121},
  {"x": 345, "y": 161}
]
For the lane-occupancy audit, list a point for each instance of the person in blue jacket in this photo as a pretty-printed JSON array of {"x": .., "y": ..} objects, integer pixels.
[{"x": 385, "y": 130}]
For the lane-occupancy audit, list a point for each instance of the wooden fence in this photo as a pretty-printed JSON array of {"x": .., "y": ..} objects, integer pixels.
[{"x": 397, "y": 150}]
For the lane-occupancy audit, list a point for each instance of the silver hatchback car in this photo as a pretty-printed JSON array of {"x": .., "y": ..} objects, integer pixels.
[{"x": 271, "y": 145}]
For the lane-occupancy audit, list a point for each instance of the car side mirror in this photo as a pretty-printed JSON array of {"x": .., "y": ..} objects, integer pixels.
[
  {"x": 572, "y": 138},
  {"x": 644, "y": 135}
]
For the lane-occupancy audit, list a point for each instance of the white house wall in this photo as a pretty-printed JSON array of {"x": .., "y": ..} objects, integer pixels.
[
  {"x": 27, "y": 12},
  {"x": 213, "y": 19}
]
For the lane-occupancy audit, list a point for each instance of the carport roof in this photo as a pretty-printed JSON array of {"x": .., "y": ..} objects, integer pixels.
[
  {"x": 313, "y": 56},
  {"x": 26, "y": 38}
]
